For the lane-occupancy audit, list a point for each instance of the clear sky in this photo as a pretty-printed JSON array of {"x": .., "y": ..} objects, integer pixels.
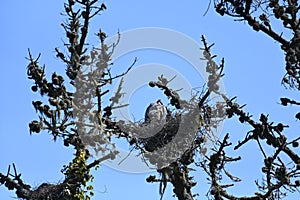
[{"x": 254, "y": 66}]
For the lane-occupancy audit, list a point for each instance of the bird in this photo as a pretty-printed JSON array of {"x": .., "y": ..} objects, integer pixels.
[{"x": 155, "y": 112}]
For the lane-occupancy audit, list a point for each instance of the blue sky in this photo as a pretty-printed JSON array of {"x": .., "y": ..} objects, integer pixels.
[{"x": 253, "y": 71}]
